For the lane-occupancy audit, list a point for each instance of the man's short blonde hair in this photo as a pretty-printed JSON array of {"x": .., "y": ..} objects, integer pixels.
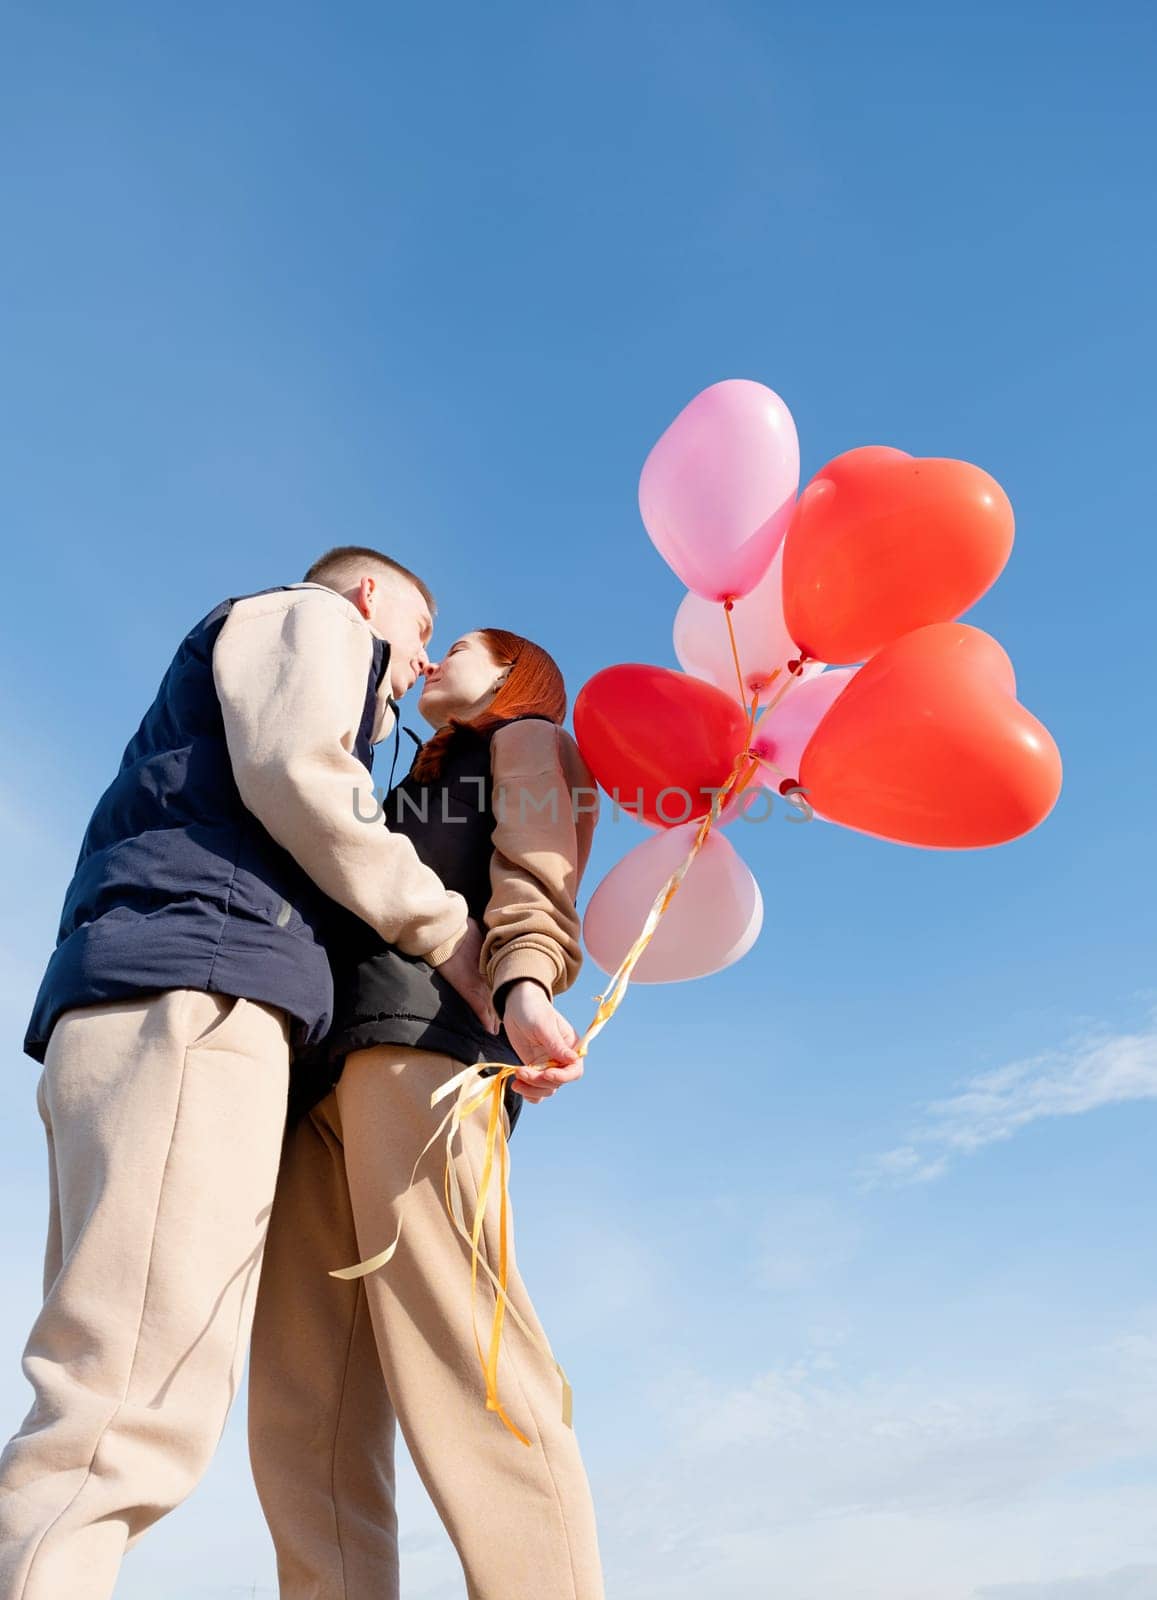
[{"x": 341, "y": 567}]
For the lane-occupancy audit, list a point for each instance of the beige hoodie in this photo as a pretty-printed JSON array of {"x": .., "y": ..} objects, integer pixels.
[
  {"x": 291, "y": 670},
  {"x": 546, "y": 806}
]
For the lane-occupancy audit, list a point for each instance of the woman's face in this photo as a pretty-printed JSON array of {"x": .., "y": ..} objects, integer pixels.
[{"x": 462, "y": 684}]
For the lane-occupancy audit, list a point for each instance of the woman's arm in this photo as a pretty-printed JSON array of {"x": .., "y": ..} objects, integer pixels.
[{"x": 545, "y": 808}]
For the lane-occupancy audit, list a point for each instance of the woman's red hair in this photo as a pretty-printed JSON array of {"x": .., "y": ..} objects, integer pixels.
[{"x": 533, "y": 684}]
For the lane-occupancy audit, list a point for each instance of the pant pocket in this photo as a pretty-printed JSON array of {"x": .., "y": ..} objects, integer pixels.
[{"x": 210, "y": 1017}]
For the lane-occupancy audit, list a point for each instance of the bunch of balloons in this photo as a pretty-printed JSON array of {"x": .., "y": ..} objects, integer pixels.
[{"x": 916, "y": 736}]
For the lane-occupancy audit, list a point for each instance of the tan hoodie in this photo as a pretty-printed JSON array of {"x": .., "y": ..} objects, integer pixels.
[{"x": 546, "y": 806}]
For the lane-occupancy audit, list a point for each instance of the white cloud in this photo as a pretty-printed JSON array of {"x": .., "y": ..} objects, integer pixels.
[
  {"x": 1096, "y": 1070},
  {"x": 1123, "y": 1583},
  {"x": 886, "y": 1443},
  {"x": 808, "y": 1484}
]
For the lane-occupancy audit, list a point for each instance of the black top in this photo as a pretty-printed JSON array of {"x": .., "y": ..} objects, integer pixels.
[{"x": 382, "y": 995}]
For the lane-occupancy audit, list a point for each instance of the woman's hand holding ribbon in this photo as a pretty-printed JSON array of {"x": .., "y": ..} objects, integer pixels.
[{"x": 540, "y": 1034}]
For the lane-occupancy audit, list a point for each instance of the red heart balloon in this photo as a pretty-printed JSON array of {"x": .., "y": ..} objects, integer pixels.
[
  {"x": 928, "y": 745},
  {"x": 644, "y": 729},
  {"x": 882, "y": 542}
]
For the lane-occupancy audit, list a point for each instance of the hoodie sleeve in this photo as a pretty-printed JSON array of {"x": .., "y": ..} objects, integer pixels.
[
  {"x": 291, "y": 671},
  {"x": 545, "y": 806}
]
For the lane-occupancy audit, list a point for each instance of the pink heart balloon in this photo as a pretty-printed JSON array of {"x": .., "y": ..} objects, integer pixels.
[
  {"x": 762, "y": 642},
  {"x": 782, "y": 736},
  {"x": 718, "y": 489},
  {"x": 713, "y": 919}
]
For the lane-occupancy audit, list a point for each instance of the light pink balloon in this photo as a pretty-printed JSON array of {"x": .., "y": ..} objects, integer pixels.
[
  {"x": 703, "y": 645},
  {"x": 713, "y": 919},
  {"x": 718, "y": 489},
  {"x": 784, "y": 733}
]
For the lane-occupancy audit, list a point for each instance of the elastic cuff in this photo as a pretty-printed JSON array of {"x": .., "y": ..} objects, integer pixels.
[
  {"x": 443, "y": 952},
  {"x": 528, "y": 962}
]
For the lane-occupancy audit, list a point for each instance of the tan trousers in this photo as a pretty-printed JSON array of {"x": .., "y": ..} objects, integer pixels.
[
  {"x": 337, "y": 1364},
  {"x": 164, "y": 1116}
]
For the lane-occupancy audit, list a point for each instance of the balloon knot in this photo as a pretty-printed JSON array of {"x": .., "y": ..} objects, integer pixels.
[
  {"x": 788, "y": 783},
  {"x": 729, "y": 604}
]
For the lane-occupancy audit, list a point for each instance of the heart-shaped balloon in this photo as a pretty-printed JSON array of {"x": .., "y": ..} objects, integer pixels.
[
  {"x": 716, "y": 492},
  {"x": 781, "y": 736},
  {"x": 713, "y": 919},
  {"x": 644, "y": 730},
  {"x": 928, "y": 745},
  {"x": 882, "y": 542},
  {"x": 762, "y": 642}
]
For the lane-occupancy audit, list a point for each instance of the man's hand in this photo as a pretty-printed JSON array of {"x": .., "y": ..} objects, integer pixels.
[
  {"x": 462, "y": 970},
  {"x": 539, "y": 1033}
]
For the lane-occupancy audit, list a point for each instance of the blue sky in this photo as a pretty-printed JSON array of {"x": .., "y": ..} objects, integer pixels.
[{"x": 847, "y": 1251}]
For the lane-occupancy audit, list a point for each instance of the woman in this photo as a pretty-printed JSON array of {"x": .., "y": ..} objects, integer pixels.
[{"x": 500, "y": 803}]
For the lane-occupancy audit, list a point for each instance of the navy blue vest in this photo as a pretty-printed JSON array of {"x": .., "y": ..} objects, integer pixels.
[{"x": 177, "y": 884}]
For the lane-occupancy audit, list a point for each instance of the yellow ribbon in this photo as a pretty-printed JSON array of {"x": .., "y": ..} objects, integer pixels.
[{"x": 472, "y": 1076}]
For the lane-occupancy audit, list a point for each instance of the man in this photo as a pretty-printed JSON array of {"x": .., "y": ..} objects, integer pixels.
[{"x": 190, "y": 965}]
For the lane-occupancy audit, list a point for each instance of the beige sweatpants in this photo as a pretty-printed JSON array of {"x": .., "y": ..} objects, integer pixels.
[
  {"x": 322, "y": 1420},
  {"x": 164, "y": 1117}
]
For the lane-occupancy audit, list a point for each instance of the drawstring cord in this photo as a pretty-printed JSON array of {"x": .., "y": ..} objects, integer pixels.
[{"x": 397, "y": 710}]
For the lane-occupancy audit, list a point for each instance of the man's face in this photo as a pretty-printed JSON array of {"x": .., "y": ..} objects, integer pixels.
[{"x": 398, "y": 612}]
